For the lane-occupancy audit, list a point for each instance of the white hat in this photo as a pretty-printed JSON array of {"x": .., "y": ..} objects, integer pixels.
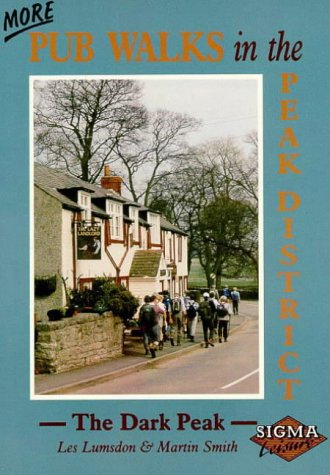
[{"x": 205, "y": 294}]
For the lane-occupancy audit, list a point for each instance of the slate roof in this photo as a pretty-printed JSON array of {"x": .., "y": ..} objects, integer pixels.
[
  {"x": 164, "y": 224},
  {"x": 63, "y": 199},
  {"x": 52, "y": 180},
  {"x": 145, "y": 263},
  {"x": 144, "y": 223},
  {"x": 99, "y": 212}
]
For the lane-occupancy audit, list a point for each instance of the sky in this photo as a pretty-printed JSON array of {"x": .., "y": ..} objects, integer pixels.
[{"x": 227, "y": 104}]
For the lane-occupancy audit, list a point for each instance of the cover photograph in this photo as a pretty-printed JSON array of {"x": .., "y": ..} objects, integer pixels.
[{"x": 165, "y": 253}]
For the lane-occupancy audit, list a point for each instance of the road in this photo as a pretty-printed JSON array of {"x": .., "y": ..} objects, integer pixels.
[{"x": 230, "y": 368}]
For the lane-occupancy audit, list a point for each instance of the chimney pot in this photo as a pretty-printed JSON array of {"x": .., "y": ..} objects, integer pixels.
[{"x": 109, "y": 182}]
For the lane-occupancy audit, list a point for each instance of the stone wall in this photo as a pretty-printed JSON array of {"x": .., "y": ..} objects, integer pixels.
[
  {"x": 47, "y": 248},
  {"x": 77, "y": 341}
]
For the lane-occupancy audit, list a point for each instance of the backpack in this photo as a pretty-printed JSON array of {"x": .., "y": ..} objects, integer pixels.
[
  {"x": 235, "y": 295},
  {"x": 191, "y": 312},
  {"x": 213, "y": 306},
  {"x": 176, "y": 306},
  {"x": 205, "y": 310},
  {"x": 221, "y": 311},
  {"x": 148, "y": 315}
]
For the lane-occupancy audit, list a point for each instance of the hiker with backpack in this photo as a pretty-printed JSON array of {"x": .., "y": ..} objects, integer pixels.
[
  {"x": 192, "y": 317},
  {"x": 223, "y": 316},
  {"x": 226, "y": 292},
  {"x": 149, "y": 323},
  {"x": 235, "y": 298},
  {"x": 178, "y": 311},
  {"x": 160, "y": 309},
  {"x": 214, "y": 305},
  {"x": 207, "y": 317}
]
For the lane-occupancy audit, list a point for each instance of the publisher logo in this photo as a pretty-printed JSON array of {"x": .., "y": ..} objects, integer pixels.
[{"x": 287, "y": 438}]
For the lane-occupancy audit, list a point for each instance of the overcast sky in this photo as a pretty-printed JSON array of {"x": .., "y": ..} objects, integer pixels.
[{"x": 227, "y": 105}]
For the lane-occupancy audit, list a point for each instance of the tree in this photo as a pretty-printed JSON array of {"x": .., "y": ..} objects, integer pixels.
[
  {"x": 227, "y": 228},
  {"x": 157, "y": 152},
  {"x": 78, "y": 123},
  {"x": 217, "y": 172}
]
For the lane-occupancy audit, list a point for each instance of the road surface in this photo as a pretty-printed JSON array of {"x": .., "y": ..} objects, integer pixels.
[{"x": 230, "y": 368}]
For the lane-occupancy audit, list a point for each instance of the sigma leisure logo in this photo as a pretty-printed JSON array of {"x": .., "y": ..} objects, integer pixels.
[{"x": 287, "y": 438}]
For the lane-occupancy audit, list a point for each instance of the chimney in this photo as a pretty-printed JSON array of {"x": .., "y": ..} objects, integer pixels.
[{"x": 109, "y": 182}]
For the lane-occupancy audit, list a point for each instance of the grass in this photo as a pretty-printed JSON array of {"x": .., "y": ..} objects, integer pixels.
[{"x": 197, "y": 279}]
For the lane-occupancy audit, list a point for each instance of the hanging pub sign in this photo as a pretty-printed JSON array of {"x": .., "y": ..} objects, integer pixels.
[{"x": 88, "y": 242}]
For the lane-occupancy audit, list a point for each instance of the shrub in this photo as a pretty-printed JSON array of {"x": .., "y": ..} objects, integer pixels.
[
  {"x": 247, "y": 293},
  {"x": 105, "y": 295},
  {"x": 44, "y": 285},
  {"x": 82, "y": 298},
  {"x": 55, "y": 314}
]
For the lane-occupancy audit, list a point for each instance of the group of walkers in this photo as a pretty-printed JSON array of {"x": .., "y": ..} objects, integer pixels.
[
  {"x": 163, "y": 319},
  {"x": 215, "y": 316}
]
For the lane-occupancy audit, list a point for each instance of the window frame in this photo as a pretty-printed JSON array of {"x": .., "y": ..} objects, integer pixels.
[
  {"x": 134, "y": 215},
  {"x": 85, "y": 202},
  {"x": 115, "y": 210},
  {"x": 154, "y": 220}
]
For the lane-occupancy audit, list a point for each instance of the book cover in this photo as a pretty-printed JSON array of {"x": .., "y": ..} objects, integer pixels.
[{"x": 177, "y": 148}]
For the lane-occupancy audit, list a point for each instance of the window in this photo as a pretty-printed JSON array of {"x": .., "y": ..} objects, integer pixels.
[
  {"x": 84, "y": 200},
  {"x": 168, "y": 247},
  {"x": 134, "y": 215},
  {"x": 116, "y": 222},
  {"x": 179, "y": 248},
  {"x": 155, "y": 228},
  {"x": 86, "y": 283}
]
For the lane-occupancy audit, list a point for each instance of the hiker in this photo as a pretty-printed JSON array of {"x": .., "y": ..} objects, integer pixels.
[
  {"x": 186, "y": 299},
  {"x": 207, "y": 318},
  {"x": 178, "y": 311},
  {"x": 214, "y": 290},
  {"x": 192, "y": 317},
  {"x": 149, "y": 322},
  {"x": 223, "y": 314},
  {"x": 235, "y": 298},
  {"x": 226, "y": 292},
  {"x": 157, "y": 302},
  {"x": 168, "y": 309},
  {"x": 214, "y": 304}
]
